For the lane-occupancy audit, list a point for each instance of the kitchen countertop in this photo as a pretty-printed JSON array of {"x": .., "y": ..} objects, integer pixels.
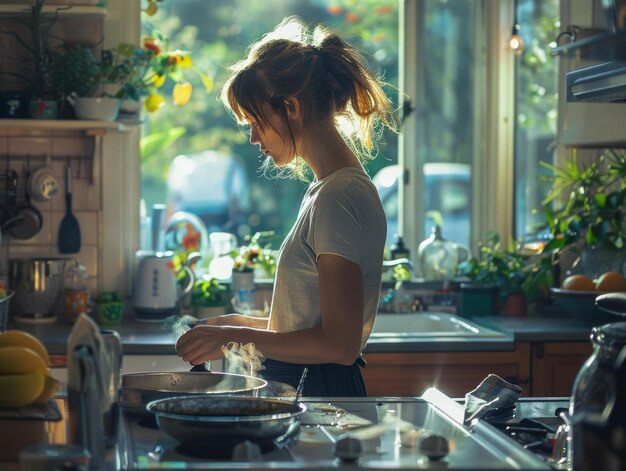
[{"x": 141, "y": 338}]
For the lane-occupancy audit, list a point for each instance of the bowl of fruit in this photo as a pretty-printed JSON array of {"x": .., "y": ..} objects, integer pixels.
[{"x": 577, "y": 296}]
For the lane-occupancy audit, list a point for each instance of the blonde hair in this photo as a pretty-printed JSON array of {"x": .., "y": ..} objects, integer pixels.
[{"x": 330, "y": 79}]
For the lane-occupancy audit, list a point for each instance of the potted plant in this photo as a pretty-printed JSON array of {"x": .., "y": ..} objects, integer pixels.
[
  {"x": 512, "y": 276},
  {"x": 143, "y": 72},
  {"x": 209, "y": 298},
  {"x": 591, "y": 216},
  {"x": 37, "y": 61},
  {"x": 82, "y": 80}
]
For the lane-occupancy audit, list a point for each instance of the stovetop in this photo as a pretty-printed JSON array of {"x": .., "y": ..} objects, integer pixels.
[{"x": 388, "y": 431}]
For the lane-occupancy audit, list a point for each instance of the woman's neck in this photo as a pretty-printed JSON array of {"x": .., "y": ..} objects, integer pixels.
[{"x": 326, "y": 152}]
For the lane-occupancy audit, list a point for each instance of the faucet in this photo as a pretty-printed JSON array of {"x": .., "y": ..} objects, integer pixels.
[{"x": 397, "y": 262}]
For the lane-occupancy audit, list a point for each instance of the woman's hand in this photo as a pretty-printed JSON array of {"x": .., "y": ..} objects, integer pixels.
[{"x": 200, "y": 344}]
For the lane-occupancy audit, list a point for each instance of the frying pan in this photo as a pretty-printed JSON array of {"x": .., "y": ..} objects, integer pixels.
[
  {"x": 206, "y": 421},
  {"x": 140, "y": 388},
  {"x": 30, "y": 219}
]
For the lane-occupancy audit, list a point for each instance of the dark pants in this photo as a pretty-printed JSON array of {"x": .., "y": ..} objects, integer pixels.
[{"x": 324, "y": 380}]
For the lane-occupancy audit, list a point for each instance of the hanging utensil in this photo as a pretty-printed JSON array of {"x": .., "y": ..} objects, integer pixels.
[
  {"x": 32, "y": 219},
  {"x": 69, "y": 230}
]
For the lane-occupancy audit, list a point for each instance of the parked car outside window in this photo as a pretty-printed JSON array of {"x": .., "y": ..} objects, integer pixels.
[
  {"x": 212, "y": 185},
  {"x": 448, "y": 191}
]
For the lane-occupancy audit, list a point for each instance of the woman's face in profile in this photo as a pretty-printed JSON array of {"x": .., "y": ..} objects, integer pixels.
[{"x": 273, "y": 139}]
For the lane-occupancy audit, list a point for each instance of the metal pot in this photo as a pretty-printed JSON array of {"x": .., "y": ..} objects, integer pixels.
[
  {"x": 138, "y": 389},
  {"x": 225, "y": 421},
  {"x": 38, "y": 283}
]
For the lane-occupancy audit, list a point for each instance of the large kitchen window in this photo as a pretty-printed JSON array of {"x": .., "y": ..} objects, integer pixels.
[
  {"x": 195, "y": 159},
  {"x": 434, "y": 54}
]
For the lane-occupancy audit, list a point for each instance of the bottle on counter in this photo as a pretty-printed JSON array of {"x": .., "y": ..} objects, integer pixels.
[
  {"x": 437, "y": 257},
  {"x": 398, "y": 249},
  {"x": 76, "y": 292}
]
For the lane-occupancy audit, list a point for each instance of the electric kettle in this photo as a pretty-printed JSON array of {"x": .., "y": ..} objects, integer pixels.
[{"x": 157, "y": 293}]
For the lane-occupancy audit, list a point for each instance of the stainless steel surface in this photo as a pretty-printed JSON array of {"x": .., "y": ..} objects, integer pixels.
[
  {"x": 37, "y": 283},
  {"x": 197, "y": 421},
  {"x": 429, "y": 325},
  {"x": 138, "y": 389},
  {"x": 386, "y": 427}
]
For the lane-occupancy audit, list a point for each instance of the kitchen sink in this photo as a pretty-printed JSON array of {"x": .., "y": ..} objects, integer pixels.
[{"x": 428, "y": 324}]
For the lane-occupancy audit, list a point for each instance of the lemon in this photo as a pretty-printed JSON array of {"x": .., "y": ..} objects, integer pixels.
[
  {"x": 21, "y": 361},
  {"x": 153, "y": 102},
  {"x": 151, "y": 9},
  {"x": 20, "y": 390},
  {"x": 50, "y": 387},
  {"x": 181, "y": 93},
  {"x": 18, "y": 338}
]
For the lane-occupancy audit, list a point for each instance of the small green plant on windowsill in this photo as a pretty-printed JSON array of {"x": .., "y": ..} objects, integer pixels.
[
  {"x": 209, "y": 292},
  {"x": 253, "y": 255},
  {"x": 512, "y": 270}
]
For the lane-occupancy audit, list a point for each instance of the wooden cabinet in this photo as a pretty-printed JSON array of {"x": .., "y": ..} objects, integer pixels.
[
  {"x": 454, "y": 373},
  {"x": 554, "y": 366}
]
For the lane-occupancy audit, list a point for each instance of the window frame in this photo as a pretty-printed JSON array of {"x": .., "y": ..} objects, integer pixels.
[{"x": 493, "y": 155}]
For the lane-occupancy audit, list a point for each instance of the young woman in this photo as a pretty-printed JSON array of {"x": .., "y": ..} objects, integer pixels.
[{"x": 311, "y": 104}]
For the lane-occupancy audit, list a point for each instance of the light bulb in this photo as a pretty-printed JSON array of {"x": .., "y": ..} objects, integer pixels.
[{"x": 515, "y": 42}]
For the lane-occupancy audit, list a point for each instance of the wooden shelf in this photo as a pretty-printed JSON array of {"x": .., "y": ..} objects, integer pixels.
[
  {"x": 64, "y": 125},
  {"x": 64, "y": 10}
]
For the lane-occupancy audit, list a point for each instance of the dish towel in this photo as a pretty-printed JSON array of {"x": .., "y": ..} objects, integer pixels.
[{"x": 493, "y": 393}]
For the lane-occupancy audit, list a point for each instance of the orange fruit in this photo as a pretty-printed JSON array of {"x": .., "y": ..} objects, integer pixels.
[
  {"x": 578, "y": 283},
  {"x": 611, "y": 281}
]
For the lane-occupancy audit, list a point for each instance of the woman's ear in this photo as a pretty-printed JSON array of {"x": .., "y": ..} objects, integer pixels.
[{"x": 292, "y": 105}]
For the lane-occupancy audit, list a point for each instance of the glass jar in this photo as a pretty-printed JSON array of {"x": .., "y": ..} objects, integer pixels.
[
  {"x": 76, "y": 292},
  {"x": 437, "y": 257},
  {"x": 594, "y": 404}
]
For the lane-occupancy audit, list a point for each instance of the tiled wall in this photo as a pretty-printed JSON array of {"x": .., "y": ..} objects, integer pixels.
[{"x": 62, "y": 147}]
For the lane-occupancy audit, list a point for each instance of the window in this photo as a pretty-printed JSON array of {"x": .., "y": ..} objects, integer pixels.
[
  {"x": 536, "y": 97},
  {"x": 445, "y": 59},
  {"x": 202, "y": 163}
]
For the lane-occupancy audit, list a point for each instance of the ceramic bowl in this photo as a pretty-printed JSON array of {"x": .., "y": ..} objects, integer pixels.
[
  {"x": 581, "y": 305},
  {"x": 98, "y": 109}
]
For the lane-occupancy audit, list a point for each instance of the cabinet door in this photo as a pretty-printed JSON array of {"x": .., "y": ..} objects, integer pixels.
[
  {"x": 454, "y": 373},
  {"x": 555, "y": 365}
]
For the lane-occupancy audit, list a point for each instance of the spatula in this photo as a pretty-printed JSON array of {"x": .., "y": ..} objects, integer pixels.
[{"x": 69, "y": 230}]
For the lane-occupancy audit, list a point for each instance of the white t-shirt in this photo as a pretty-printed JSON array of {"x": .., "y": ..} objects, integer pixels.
[{"x": 340, "y": 214}]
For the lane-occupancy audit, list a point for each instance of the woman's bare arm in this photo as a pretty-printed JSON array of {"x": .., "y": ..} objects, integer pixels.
[{"x": 336, "y": 340}]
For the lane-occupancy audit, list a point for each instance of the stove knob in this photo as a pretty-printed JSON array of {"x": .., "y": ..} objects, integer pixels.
[
  {"x": 433, "y": 446},
  {"x": 348, "y": 449}
]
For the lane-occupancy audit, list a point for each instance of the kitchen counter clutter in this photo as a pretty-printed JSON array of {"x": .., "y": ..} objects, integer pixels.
[
  {"x": 141, "y": 338},
  {"x": 346, "y": 433}
]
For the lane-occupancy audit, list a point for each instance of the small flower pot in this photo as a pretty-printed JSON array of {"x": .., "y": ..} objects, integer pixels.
[
  {"x": 515, "y": 305},
  {"x": 477, "y": 301},
  {"x": 43, "y": 109},
  {"x": 95, "y": 109}
]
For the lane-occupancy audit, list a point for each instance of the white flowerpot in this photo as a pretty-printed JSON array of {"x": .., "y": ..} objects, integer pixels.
[{"x": 96, "y": 109}]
